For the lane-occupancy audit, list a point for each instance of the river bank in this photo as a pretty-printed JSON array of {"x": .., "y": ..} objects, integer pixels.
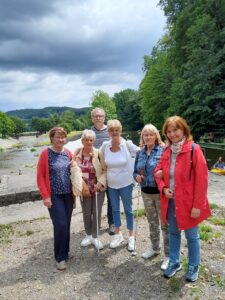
[
  {"x": 27, "y": 269},
  {"x": 8, "y": 143}
]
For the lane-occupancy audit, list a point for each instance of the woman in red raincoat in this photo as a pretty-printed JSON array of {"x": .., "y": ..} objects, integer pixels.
[{"x": 182, "y": 178}]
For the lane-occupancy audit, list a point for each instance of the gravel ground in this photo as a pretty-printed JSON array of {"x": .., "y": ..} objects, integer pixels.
[{"x": 27, "y": 269}]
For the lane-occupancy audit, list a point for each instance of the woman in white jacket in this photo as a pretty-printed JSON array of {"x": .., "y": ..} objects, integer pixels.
[
  {"x": 88, "y": 177},
  {"x": 117, "y": 153}
]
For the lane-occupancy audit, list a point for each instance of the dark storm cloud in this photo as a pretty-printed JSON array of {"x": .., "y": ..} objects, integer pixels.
[
  {"x": 25, "y": 9},
  {"x": 59, "y": 52},
  {"x": 34, "y": 36}
]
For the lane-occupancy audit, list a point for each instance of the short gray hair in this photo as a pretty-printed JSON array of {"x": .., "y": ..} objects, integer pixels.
[
  {"x": 97, "y": 109},
  {"x": 88, "y": 133}
]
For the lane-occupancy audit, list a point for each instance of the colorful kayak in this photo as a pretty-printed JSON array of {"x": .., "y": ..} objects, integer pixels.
[{"x": 218, "y": 171}]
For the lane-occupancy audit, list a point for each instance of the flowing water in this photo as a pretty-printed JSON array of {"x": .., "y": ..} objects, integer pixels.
[{"x": 13, "y": 160}]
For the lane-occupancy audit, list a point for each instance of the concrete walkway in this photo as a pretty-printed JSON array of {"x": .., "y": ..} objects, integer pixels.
[{"x": 33, "y": 210}]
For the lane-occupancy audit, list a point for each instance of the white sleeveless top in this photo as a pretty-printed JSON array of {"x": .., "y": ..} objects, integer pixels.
[{"x": 117, "y": 169}]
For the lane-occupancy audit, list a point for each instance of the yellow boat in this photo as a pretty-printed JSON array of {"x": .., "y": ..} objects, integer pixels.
[{"x": 218, "y": 171}]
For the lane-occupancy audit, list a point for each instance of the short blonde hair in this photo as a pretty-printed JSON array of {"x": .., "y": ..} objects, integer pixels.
[
  {"x": 114, "y": 124},
  {"x": 88, "y": 133},
  {"x": 55, "y": 130},
  {"x": 153, "y": 129},
  {"x": 178, "y": 122}
]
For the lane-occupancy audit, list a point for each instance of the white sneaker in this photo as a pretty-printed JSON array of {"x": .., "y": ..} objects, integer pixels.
[
  {"x": 61, "y": 266},
  {"x": 117, "y": 240},
  {"x": 150, "y": 253},
  {"x": 165, "y": 263},
  {"x": 131, "y": 243},
  {"x": 86, "y": 241},
  {"x": 98, "y": 244}
]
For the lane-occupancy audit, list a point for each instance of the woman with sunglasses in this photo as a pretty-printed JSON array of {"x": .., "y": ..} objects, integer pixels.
[{"x": 145, "y": 163}]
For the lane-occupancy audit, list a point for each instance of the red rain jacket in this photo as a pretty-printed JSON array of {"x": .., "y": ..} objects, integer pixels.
[{"x": 190, "y": 185}]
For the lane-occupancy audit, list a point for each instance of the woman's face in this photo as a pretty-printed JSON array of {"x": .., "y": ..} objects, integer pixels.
[
  {"x": 174, "y": 134},
  {"x": 88, "y": 142},
  {"x": 114, "y": 132},
  {"x": 149, "y": 138},
  {"x": 58, "y": 140}
]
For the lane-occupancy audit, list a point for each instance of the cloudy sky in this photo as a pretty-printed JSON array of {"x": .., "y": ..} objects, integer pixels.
[{"x": 59, "y": 52}]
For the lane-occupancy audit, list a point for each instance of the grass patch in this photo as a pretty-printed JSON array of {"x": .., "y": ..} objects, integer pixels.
[
  {"x": 213, "y": 205},
  {"x": 5, "y": 231},
  {"x": 195, "y": 291},
  {"x": 17, "y": 146},
  {"x": 141, "y": 213},
  {"x": 218, "y": 280},
  {"x": 175, "y": 284},
  {"x": 184, "y": 263},
  {"x": 1, "y": 149},
  {"x": 73, "y": 133},
  {"x": 29, "y": 232},
  {"x": 217, "y": 221},
  {"x": 217, "y": 234},
  {"x": 29, "y": 166},
  {"x": 33, "y": 150},
  {"x": 205, "y": 232},
  {"x": 46, "y": 143}
]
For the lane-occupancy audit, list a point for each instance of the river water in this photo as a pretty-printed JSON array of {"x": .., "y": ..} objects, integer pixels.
[{"x": 14, "y": 160}]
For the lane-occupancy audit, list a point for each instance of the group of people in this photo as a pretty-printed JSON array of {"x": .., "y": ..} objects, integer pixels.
[{"x": 172, "y": 176}]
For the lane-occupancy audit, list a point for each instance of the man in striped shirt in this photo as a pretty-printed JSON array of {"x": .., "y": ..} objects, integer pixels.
[{"x": 100, "y": 129}]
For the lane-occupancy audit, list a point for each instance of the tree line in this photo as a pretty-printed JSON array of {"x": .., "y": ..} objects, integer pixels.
[
  {"x": 124, "y": 105},
  {"x": 183, "y": 75},
  {"x": 185, "y": 72}
]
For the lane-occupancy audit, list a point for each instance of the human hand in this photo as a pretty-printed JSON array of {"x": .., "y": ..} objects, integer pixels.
[
  {"x": 168, "y": 193},
  {"x": 73, "y": 163},
  {"x": 47, "y": 202},
  {"x": 159, "y": 174},
  {"x": 195, "y": 213},
  {"x": 98, "y": 187},
  {"x": 139, "y": 178}
]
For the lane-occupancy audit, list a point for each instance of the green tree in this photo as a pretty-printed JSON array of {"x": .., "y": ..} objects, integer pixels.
[
  {"x": 128, "y": 109},
  {"x": 19, "y": 125},
  {"x": 155, "y": 88},
  {"x": 7, "y": 126},
  {"x": 54, "y": 119},
  {"x": 103, "y": 100},
  {"x": 40, "y": 124}
]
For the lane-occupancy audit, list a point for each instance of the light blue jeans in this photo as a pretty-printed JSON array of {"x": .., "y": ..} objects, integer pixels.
[
  {"x": 125, "y": 194},
  {"x": 192, "y": 236}
]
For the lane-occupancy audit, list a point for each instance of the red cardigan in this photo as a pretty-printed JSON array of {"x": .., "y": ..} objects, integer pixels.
[
  {"x": 43, "y": 178},
  {"x": 189, "y": 191}
]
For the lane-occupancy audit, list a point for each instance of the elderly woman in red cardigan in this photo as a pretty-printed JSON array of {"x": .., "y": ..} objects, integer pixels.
[
  {"x": 182, "y": 178},
  {"x": 53, "y": 180}
]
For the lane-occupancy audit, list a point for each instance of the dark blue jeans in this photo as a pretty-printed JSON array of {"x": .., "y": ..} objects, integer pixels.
[
  {"x": 109, "y": 209},
  {"x": 60, "y": 213}
]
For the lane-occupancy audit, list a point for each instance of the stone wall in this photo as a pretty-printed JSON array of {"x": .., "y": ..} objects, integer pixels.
[
  {"x": 8, "y": 197},
  {"x": 17, "y": 198}
]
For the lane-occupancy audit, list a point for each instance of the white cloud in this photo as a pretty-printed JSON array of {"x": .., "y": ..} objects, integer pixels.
[{"x": 60, "y": 53}]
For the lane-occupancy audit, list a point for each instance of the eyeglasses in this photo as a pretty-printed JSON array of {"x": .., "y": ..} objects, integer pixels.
[
  {"x": 89, "y": 140},
  {"x": 98, "y": 116}
]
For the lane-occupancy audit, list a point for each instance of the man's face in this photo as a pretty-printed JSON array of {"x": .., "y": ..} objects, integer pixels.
[{"x": 98, "y": 118}]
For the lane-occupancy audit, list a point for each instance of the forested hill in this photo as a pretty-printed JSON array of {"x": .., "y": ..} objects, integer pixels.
[{"x": 28, "y": 114}]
